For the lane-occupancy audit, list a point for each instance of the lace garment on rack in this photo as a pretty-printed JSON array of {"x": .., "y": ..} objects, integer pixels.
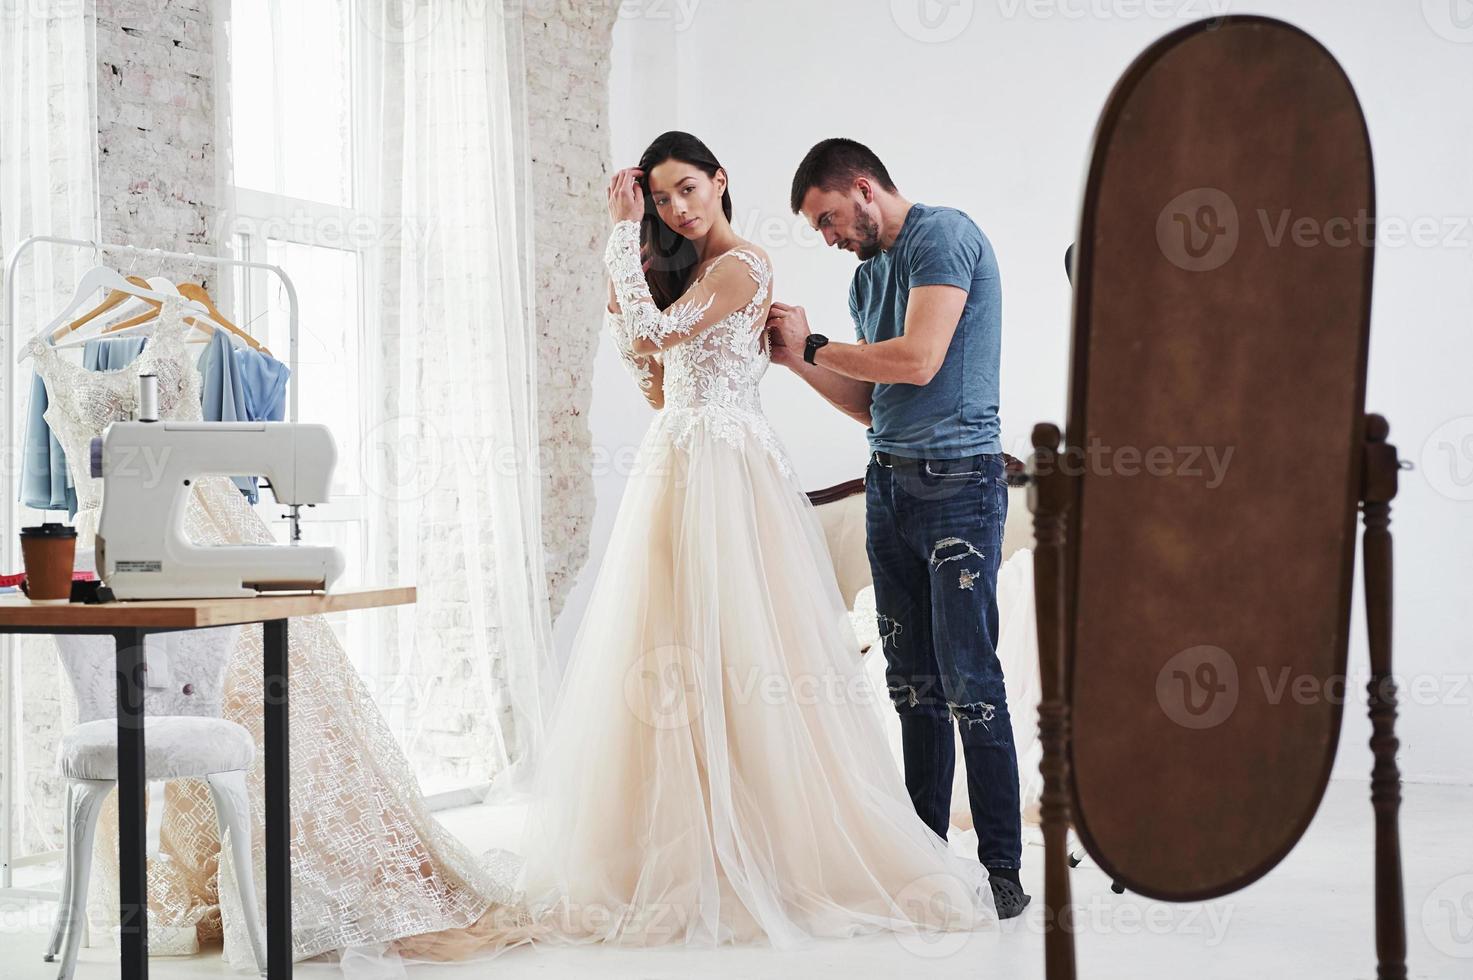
[{"x": 370, "y": 864}]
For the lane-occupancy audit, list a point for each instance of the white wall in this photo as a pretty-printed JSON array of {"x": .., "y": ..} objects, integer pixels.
[{"x": 992, "y": 111}]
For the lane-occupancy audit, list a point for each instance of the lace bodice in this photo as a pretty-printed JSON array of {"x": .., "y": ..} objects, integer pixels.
[
  {"x": 81, "y": 403},
  {"x": 713, "y": 356}
]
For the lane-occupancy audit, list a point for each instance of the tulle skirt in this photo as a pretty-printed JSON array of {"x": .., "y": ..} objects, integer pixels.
[{"x": 716, "y": 769}]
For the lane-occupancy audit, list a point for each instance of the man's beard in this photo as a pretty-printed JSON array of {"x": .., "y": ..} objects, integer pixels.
[{"x": 869, "y": 231}]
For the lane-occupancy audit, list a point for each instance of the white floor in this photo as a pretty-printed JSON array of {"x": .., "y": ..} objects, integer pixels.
[{"x": 1311, "y": 917}]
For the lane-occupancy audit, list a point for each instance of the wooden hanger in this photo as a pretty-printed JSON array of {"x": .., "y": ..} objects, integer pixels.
[
  {"x": 113, "y": 300},
  {"x": 196, "y": 292}
]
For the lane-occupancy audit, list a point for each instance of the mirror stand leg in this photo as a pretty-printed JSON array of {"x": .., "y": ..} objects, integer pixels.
[
  {"x": 1048, "y": 498},
  {"x": 1378, "y": 489}
]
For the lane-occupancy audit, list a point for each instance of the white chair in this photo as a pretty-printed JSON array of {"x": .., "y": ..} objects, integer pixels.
[{"x": 185, "y": 736}]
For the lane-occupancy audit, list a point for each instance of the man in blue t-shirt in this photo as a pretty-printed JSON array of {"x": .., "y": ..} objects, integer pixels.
[{"x": 923, "y": 376}]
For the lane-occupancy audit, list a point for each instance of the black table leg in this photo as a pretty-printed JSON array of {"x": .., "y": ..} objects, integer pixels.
[
  {"x": 132, "y": 791},
  {"x": 278, "y": 804}
]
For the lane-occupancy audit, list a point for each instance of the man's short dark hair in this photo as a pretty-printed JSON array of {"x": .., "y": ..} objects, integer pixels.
[{"x": 833, "y": 165}]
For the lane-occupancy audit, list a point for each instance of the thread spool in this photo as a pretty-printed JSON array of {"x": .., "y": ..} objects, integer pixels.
[{"x": 148, "y": 398}]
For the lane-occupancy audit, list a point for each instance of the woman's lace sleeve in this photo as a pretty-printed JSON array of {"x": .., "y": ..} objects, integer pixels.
[
  {"x": 617, "y": 325},
  {"x": 708, "y": 301}
]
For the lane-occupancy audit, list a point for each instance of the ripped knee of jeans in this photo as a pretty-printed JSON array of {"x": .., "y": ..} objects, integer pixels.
[
  {"x": 904, "y": 695},
  {"x": 890, "y": 629},
  {"x": 973, "y": 713},
  {"x": 949, "y": 550}
]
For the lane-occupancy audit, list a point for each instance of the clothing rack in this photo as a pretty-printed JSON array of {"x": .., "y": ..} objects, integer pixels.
[{"x": 9, "y": 470}]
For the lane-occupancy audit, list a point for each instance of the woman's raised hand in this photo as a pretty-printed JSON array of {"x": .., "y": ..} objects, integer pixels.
[{"x": 626, "y": 197}]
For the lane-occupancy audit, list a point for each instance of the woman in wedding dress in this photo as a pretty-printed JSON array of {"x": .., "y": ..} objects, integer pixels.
[
  {"x": 715, "y": 770},
  {"x": 369, "y": 862}
]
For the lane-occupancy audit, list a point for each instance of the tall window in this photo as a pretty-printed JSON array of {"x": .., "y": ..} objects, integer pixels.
[{"x": 296, "y": 144}]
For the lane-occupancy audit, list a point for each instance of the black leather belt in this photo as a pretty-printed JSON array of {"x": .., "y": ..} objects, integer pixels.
[
  {"x": 890, "y": 459},
  {"x": 1013, "y": 468},
  {"x": 907, "y": 462}
]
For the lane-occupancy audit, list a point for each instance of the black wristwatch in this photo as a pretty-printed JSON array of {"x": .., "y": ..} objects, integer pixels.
[{"x": 811, "y": 346}]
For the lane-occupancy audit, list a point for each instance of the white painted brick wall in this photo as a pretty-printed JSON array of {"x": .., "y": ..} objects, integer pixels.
[
  {"x": 567, "y": 49},
  {"x": 156, "y": 123}
]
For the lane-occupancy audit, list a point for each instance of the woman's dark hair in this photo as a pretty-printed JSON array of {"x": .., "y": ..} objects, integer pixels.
[{"x": 669, "y": 258}]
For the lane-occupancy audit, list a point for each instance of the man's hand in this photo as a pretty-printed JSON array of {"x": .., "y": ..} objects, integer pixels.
[
  {"x": 787, "y": 327},
  {"x": 783, "y": 355}
]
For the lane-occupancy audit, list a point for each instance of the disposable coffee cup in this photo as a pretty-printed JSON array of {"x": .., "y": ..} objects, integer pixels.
[{"x": 48, "y": 551}]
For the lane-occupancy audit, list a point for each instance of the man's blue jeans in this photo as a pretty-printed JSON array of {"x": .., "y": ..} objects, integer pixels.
[{"x": 935, "y": 543}]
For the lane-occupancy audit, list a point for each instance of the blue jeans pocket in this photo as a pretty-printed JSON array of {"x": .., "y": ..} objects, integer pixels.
[{"x": 961, "y": 469}]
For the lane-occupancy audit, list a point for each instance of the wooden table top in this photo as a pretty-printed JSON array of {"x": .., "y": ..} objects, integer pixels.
[{"x": 17, "y": 610}]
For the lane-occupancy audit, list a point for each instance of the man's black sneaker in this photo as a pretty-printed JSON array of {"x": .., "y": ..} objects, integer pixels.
[{"x": 1008, "y": 896}]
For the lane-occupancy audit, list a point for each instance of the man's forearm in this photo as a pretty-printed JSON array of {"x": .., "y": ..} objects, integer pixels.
[
  {"x": 887, "y": 362},
  {"x": 848, "y": 395}
]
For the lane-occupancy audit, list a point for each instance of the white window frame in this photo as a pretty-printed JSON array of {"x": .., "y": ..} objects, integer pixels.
[{"x": 262, "y": 215}]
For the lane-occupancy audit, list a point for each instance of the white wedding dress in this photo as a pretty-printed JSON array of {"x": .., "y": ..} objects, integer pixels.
[
  {"x": 370, "y": 864},
  {"x": 715, "y": 769}
]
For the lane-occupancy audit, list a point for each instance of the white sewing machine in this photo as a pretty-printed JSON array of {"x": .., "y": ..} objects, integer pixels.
[{"x": 147, "y": 468}]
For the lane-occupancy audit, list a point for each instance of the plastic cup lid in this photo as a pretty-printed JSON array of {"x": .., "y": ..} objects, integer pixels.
[{"x": 49, "y": 530}]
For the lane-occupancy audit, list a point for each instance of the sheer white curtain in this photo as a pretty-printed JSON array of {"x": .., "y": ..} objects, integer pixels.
[
  {"x": 48, "y": 186},
  {"x": 48, "y": 147},
  {"x": 452, "y": 455}
]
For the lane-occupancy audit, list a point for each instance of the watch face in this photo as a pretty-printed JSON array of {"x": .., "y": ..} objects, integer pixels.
[{"x": 814, "y": 342}]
